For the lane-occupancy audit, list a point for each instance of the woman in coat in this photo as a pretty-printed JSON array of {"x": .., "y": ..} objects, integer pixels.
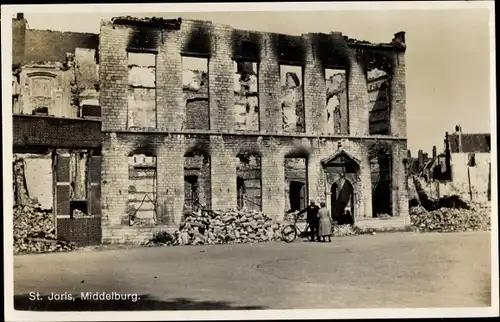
[{"x": 325, "y": 224}]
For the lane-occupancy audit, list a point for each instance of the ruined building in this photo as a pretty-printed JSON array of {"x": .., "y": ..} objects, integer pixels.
[
  {"x": 154, "y": 117},
  {"x": 198, "y": 115},
  {"x": 56, "y": 126}
]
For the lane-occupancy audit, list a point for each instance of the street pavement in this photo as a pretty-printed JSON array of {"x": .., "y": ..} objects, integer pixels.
[{"x": 393, "y": 270}]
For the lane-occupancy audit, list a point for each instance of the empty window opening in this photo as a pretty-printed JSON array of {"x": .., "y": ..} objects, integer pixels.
[
  {"x": 246, "y": 95},
  {"x": 249, "y": 183},
  {"x": 295, "y": 183},
  {"x": 142, "y": 90},
  {"x": 336, "y": 101},
  {"x": 381, "y": 178},
  {"x": 292, "y": 98},
  {"x": 197, "y": 184},
  {"x": 195, "y": 90},
  {"x": 379, "y": 101},
  {"x": 142, "y": 188}
]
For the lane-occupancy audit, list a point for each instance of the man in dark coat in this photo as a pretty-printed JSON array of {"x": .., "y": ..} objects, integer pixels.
[{"x": 312, "y": 218}]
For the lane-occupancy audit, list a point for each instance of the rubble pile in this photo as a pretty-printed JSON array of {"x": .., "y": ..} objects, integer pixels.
[
  {"x": 221, "y": 227},
  {"x": 473, "y": 218},
  {"x": 343, "y": 230},
  {"x": 34, "y": 231}
]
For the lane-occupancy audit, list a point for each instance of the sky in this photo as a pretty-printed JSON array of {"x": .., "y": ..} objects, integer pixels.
[{"x": 447, "y": 57}]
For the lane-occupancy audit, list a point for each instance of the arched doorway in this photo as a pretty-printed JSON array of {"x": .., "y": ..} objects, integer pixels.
[{"x": 342, "y": 201}]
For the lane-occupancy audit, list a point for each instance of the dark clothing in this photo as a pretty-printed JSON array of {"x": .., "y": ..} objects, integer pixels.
[
  {"x": 312, "y": 219},
  {"x": 312, "y": 212}
]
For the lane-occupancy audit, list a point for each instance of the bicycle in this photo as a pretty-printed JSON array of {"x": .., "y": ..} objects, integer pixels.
[{"x": 289, "y": 232}]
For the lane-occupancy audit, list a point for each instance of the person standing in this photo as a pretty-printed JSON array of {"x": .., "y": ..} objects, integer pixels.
[
  {"x": 312, "y": 218},
  {"x": 325, "y": 224}
]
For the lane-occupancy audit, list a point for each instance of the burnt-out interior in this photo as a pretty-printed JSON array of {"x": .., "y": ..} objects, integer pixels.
[
  {"x": 246, "y": 95},
  {"x": 380, "y": 156},
  {"x": 197, "y": 184},
  {"x": 195, "y": 89},
  {"x": 295, "y": 183},
  {"x": 336, "y": 101},
  {"x": 292, "y": 98},
  {"x": 142, "y": 189},
  {"x": 248, "y": 181},
  {"x": 378, "y": 68},
  {"x": 141, "y": 90}
]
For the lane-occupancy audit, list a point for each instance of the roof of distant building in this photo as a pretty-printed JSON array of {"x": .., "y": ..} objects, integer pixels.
[
  {"x": 52, "y": 46},
  {"x": 471, "y": 142}
]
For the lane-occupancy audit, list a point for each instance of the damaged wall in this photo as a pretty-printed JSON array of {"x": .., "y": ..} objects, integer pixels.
[
  {"x": 473, "y": 182},
  {"x": 141, "y": 189},
  {"x": 303, "y": 100},
  {"x": 38, "y": 177}
]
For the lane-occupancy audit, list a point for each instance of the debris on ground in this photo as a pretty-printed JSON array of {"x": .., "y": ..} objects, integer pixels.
[
  {"x": 475, "y": 217},
  {"x": 34, "y": 231},
  {"x": 343, "y": 230},
  {"x": 221, "y": 227}
]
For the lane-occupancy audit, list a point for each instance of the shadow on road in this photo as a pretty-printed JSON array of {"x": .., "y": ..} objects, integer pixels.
[{"x": 146, "y": 302}]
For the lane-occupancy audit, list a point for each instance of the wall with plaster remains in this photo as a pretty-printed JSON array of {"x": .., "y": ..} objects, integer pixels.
[
  {"x": 38, "y": 177},
  {"x": 473, "y": 182}
]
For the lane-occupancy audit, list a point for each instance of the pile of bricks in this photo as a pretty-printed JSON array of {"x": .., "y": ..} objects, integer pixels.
[
  {"x": 34, "y": 231},
  {"x": 473, "y": 218},
  {"x": 222, "y": 227}
]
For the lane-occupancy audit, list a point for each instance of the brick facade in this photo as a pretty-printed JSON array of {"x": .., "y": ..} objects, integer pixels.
[{"x": 171, "y": 141}]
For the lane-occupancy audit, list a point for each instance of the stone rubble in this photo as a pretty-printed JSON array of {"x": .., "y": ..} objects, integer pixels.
[
  {"x": 221, "y": 227},
  {"x": 34, "y": 231}
]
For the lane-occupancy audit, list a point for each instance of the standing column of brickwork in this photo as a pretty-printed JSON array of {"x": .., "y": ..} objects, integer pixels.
[
  {"x": 169, "y": 105},
  {"x": 315, "y": 173},
  {"x": 223, "y": 172},
  {"x": 314, "y": 90},
  {"x": 399, "y": 184},
  {"x": 170, "y": 180},
  {"x": 365, "y": 189},
  {"x": 113, "y": 76},
  {"x": 398, "y": 95},
  {"x": 221, "y": 80},
  {"x": 270, "y": 116},
  {"x": 357, "y": 97},
  {"x": 114, "y": 181},
  {"x": 273, "y": 179}
]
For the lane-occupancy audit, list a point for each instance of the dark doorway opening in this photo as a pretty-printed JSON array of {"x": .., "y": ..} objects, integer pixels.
[
  {"x": 342, "y": 201},
  {"x": 297, "y": 195},
  {"x": 240, "y": 186}
]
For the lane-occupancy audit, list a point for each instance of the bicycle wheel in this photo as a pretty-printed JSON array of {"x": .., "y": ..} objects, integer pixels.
[{"x": 289, "y": 233}]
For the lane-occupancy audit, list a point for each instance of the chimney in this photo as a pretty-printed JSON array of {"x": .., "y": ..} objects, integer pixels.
[
  {"x": 18, "y": 39},
  {"x": 399, "y": 39},
  {"x": 458, "y": 131},
  {"x": 426, "y": 157},
  {"x": 420, "y": 157},
  {"x": 434, "y": 152}
]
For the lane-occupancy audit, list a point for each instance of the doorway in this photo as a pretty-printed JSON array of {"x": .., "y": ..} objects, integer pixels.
[{"x": 342, "y": 202}]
